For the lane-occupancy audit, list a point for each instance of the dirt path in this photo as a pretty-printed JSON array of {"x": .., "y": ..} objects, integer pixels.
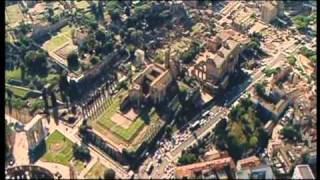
[{"x": 20, "y": 149}]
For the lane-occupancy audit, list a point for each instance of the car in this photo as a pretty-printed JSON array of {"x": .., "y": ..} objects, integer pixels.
[
  {"x": 18, "y": 126},
  {"x": 11, "y": 162}
]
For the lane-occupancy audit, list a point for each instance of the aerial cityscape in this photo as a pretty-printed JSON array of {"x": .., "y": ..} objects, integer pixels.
[{"x": 158, "y": 89}]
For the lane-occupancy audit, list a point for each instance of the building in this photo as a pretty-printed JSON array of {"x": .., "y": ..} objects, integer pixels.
[
  {"x": 302, "y": 172},
  {"x": 219, "y": 168},
  {"x": 35, "y": 132},
  {"x": 214, "y": 67},
  {"x": 152, "y": 84},
  {"x": 214, "y": 154},
  {"x": 270, "y": 9},
  {"x": 259, "y": 172},
  {"x": 248, "y": 162},
  {"x": 273, "y": 147},
  {"x": 273, "y": 104},
  {"x": 79, "y": 36},
  {"x": 243, "y": 20}
]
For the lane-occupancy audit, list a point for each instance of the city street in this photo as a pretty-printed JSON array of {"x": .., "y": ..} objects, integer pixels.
[{"x": 246, "y": 86}]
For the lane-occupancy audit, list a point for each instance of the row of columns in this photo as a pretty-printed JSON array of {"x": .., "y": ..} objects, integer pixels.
[{"x": 97, "y": 103}]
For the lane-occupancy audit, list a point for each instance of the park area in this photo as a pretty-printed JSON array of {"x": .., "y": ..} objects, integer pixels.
[
  {"x": 96, "y": 171},
  {"x": 13, "y": 74},
  {"x": 13, "y": 14},
  {"x": 142, "y": 126},
  {"x": 18, "y": 91},
  {"x": 58, "y": 149},
  {"x": 105, "y": 120}
]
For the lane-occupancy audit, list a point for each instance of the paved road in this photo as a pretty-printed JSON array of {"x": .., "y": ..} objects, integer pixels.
[{"x": 199, "y": 133}]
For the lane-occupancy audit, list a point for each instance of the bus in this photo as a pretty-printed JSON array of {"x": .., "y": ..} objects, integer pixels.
[
  {"x": 195, "y": 125},
  {"x": 205, "y": 113},
  {"x": 149, "y": 168}
]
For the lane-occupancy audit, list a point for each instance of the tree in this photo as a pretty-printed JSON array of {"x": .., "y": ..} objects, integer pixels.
[
  {"x": 109, "y": 174},
  {"x": 73, "y": 62},
  {"x": 187, "y": 158},
  {"x": 101, "y": 36},
  {"x": 81, "y": 152},
  {"x": 253, "y": 141},
  {"x": 253, "y": 15},
  {"x": 36, "y": 62},
  {"x": 259, "y": 88},
  {"x": 290, "y": 133},
  {"x": 63, "y": 86},
  {"x": 108, "y": 47},
  {"x": 93, "y": 8},
  {"x": 94, "y": 60},
  {"x": 38, "y": 104},
  {"x": 100, "y": 9},
  {"x": 53, "y": 99},
  {"x": 291, "y": 60},
  {"x": 23, "y": 71},
  {"x": 190, "y": 54}
]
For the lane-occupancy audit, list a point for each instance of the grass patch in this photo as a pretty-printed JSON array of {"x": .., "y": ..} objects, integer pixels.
[
  {"x": 64, "y": 154},
  {"x": 14, "y": 14},
  {"x": 62, "y": 37},
  {"x": 51, "y": 78},
  {"x": 96, "y": 171},
  {"x": 55, "y": 42},
  {"x": 14, "y": 74},
  {"x": 17, "y": 91},
  {"x": 67, "y": 30},
  {"x": 105, "y": 120}
]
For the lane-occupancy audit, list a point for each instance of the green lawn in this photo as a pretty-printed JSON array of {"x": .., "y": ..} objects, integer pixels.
[
  {"x": 55, "y": 42},
  {"x": 14, "y": 14},
  {"x": 67, "y": 30},
  {"x": 14, "y": 74},
  {"x": 64, "y": 155},
  {"x": 51, "y": 78},
  {"x": 18, "y": 91},
  {"x": 62, "y": 37},
  {"x": 105, "y": 120},
  {"x": 96, "y": 171}
]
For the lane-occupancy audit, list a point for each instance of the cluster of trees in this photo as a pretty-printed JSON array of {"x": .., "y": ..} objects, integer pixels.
[
  {"x": 36, "y": 62},
  {"x": 187, "y": 158},
  {"x": 37, "y": 104},
  {"x": 302, "y": 22},
  {"x": 190, "y": 54},
  {"x": 291, "y": 133},
  {"x": 260, "y": 89},
  {"x": 97, "y": 10},
  {"x": 81, "y": 152},
  {"x": 254, "y": 44},
  {"x": 244, "y": 132},
  {"x": 270, "y": 71},
  {"x": 53, "y": 18},
  {"x": 101, "y": 42}
]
